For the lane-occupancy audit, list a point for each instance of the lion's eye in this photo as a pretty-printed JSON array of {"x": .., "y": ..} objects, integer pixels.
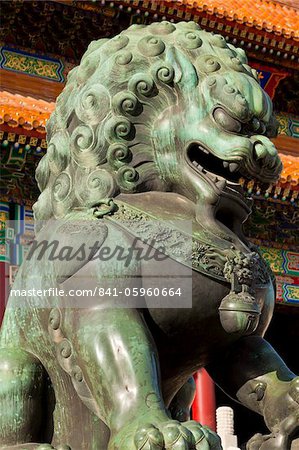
[
  {"x": 258, "y": 126},
  {"x": 226, "y": 121}
]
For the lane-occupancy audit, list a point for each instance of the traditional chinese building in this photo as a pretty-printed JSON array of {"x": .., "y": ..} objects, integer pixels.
[{"x": 42, "y": 41}]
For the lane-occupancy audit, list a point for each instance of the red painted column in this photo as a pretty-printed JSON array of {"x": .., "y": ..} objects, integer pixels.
[{"x": 204, "y": 405}]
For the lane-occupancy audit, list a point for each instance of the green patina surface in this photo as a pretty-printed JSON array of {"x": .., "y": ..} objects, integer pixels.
[{"x": 160, "y": 121}]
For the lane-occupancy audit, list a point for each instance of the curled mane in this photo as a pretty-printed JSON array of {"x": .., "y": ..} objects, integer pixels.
[{"x": 100, "y": 135}]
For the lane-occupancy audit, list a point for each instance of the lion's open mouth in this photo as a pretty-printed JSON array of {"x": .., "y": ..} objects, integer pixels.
[
  {"x": 213, "y": 167},
  {"x": 233, "y": 207},
  {"x": 224, "y": 175}
]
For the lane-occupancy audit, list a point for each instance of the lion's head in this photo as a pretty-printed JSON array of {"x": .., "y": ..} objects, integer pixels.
[{"x": 164, "y": 107}]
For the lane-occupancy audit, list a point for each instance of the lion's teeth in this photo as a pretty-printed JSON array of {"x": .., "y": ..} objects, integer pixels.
[
  {"x": 197, "y": 165},
  {"x": 225, "y": 164},
  {"x": 204, "y": 150},
  {"x": 233, "y": 167}
]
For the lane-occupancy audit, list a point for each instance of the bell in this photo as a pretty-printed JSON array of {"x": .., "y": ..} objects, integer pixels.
[{"x": 239, "y": 312}]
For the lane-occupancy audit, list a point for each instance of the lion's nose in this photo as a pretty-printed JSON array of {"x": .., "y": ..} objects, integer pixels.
[{"x": 265, "y": 155}]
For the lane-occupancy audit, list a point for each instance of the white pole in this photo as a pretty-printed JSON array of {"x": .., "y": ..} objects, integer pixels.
[{"x": 225, "y": 428}]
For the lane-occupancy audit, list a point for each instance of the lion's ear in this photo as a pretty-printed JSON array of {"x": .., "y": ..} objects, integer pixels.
[{"x": 185, "y": 74}]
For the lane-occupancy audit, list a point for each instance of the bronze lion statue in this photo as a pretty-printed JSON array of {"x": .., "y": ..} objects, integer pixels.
[{"x": 153, "y": 130}]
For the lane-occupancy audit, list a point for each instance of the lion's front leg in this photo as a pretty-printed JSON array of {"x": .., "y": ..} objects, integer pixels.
[
  {"x": 255, "y": 375},
  {"x": 114, "y": 363},
  {"x": 119, "y": 361}
]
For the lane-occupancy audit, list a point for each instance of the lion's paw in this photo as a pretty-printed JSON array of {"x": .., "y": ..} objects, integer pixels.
[
  {"x": 284, "y": 437},
  {"x": 173, "y": 435}
]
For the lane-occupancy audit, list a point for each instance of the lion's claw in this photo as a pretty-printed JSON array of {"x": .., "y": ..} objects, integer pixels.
[
  {"x": 177, "y": 436},
  {"x": 198, "y": 433},
  {"x": 148, "y": 437},
  {"x": 213, "y": 438}
]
